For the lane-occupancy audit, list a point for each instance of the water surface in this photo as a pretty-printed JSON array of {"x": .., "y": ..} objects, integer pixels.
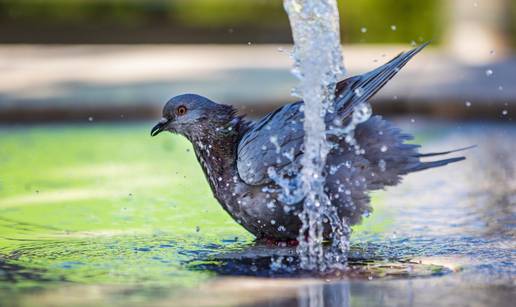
[{"x": 101, "y": 214}]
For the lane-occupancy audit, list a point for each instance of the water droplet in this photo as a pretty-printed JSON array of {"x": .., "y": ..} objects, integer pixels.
[
  {"x": 90, "y": 118},
  {"x": 489, "y": 72},
  {"x": 281, "y": 50},
  {"x": 500, "y": 88},
  {"x": 395, "y": 97},
  {"x": 412, "y": 120},
  {"x": 274, "y": 140},
  {"x": 468, "y": 104},
  {"x": 492, "y": 52},
  {"x": 383, "y": 148},
  {"x": 393, "y": 27},
  {"x": 505, "y": 112},
  {"x": 382, "y": 165},
  {"x": 359, "y": 92},
  {"x": 363, "y": 30},
  {"x": 249, "y": 43}
]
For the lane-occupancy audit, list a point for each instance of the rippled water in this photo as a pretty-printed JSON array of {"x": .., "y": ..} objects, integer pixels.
[{"x": 100, "y": 215}]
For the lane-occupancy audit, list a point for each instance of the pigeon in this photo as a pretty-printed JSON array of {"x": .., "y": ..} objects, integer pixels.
[{"x": 251, "y": 166}]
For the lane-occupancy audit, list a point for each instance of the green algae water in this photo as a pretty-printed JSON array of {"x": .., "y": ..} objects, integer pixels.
[
  {"x": 100, "y": 214},
  {"x": 92, "y": 202}
]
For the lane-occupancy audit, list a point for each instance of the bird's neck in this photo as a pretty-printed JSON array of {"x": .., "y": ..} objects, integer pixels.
[{"x": 216, "y": 152}]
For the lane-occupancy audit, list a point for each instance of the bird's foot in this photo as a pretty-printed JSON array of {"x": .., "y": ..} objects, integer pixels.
[{"x": 280, "y": 243}]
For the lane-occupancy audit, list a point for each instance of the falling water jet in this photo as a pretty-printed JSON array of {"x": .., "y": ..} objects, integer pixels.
[{"x": 318, "y": 65}]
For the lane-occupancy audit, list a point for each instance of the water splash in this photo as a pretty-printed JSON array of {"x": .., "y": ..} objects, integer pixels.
[{"x": 318, "y": 65}]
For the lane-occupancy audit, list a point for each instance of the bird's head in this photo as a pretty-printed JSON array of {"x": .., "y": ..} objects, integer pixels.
[{"x": 193, "y": 116}]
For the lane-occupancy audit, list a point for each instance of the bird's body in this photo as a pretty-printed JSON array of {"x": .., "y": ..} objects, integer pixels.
[{"x": 249, "y": 165}]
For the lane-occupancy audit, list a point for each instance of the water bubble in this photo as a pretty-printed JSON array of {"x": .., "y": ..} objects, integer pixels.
[
  {"x": 363, "y": 30},
  {"x": 505, "y": 112},
  {"x": 359, "y": 92},
  {"x": 384, "y": 148},
  {"x": 249, "y": 43},
  {"x": 489, "y": 72},
  {"x": 395, "y": 97},
  {"x": 492, "y": 52},
  {"x": 281, "y": 50},
  {"x": 412, "y": 120},
  {"x": 500, "y": 88},
  {"x": 393, "y": 27},
  {"x": 468, "y": 104},
  {"x": 90, "y": 119}
]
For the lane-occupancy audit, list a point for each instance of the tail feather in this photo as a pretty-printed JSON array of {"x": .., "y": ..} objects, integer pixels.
[
  {"x": 426, "y": 165},
  {"x": 432, "y": 154}
]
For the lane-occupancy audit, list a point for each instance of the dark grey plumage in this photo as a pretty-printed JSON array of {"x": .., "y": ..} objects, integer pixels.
[{"x": 237, "y": 155}]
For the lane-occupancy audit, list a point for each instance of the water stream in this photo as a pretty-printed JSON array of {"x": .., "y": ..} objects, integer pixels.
[{"x": 318, "y": 65}]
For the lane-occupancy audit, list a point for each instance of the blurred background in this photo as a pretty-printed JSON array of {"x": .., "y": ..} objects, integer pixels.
[{"x": 83, "y": 60}]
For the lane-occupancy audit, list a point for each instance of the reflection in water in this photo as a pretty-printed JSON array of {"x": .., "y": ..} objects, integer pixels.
[
  {"x": 331, "y": 295},
  {"x": 283, "y": 262}
]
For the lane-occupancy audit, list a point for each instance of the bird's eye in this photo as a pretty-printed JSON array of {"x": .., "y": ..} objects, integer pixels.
[{"x": 181, "y": 110}]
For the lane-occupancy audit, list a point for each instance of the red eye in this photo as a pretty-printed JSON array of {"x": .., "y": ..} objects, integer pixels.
[{"x": 181, "y": 110}]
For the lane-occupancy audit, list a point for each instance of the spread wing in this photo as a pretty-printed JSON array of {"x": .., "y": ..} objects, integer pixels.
[
  {"x": 355, "y": 90},
  {"x": 276, "y": 140}
]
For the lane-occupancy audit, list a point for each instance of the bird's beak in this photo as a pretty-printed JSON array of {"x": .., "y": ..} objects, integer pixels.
[{"x": 160, "y": 126}]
